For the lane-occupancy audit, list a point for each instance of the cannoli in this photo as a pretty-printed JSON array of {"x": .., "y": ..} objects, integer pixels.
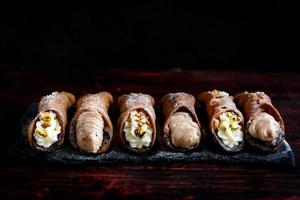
[
  {"x": 264, "y": 129},
  {"x": 181, "y": 130},
  {"x": 91, "y": 130},
  {"x": 137, "y": 128},
  {"x": 47, "y": 130},
  {"x": 225, "y": 120}
]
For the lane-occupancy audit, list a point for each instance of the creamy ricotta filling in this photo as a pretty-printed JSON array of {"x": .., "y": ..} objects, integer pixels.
[
  {"x": 47, "y": 129},
  {"x": 230, "y": 130},
  {"x": 137, "y": 129}
]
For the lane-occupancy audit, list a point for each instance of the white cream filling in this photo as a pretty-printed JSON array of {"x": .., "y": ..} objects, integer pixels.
[
  {"x": 130, "y": 127},
  {"x": 229, "y": 130},
  {"x": 46, "y": 136}
]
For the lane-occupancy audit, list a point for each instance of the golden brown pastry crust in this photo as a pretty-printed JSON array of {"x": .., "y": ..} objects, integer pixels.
[
  {"x": 99, "y": 102},
  {"x": 216, "y": 104},
  {"x": 59, "y": 103},
  {"x": 252, "y": 104},
  {"x": 139, "y": 102},
  {"x": 172, "y": 103}
]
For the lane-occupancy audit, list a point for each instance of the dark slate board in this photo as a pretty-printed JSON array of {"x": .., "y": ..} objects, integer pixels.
[{"x": 207, "y": 153}]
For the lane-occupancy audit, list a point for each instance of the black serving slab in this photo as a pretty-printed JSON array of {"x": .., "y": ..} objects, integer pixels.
[{"x": 159, "y": 153}]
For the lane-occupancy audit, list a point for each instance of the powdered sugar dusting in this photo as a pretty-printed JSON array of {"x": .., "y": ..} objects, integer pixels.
[
  {"x": 177, "y": 102},
  {"x": 138, "y": 98},
  {"x": 54, "y": 98},
  {"x": 219, "y": 93},
  {"x": 92, "y": 102}
]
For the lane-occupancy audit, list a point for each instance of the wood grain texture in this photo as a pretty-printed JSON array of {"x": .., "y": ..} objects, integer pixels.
[{"x": 21, "y": 86}]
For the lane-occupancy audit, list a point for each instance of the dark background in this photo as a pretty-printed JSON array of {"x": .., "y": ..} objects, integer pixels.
[
  {"x": 46, "y": 47},
  {"x": 261, "y": 36}
]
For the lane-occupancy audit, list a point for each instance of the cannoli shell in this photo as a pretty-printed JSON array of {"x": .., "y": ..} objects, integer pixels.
[
  {"x": 59, "y": 103},
  {"x": 94, "y": 102},
  {"x": 253, "y": 103},
  {"x": 129, "y": 103},
  {"x": 172, "y": 103},
  {"x": 215, "y": 105}
]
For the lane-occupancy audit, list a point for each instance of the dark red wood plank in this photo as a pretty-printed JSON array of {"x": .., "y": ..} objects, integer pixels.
[{"x": 20, "y": 86}]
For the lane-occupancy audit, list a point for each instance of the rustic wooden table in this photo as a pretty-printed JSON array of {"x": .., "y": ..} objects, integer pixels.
[{"x": 20, "y": 86}]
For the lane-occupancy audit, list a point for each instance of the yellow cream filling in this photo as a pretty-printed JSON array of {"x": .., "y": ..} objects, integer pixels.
[
  {"x": 230, "y": 131},
  {"x": 138, "y": 132},
  {"x": 47, "y": 129}
]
